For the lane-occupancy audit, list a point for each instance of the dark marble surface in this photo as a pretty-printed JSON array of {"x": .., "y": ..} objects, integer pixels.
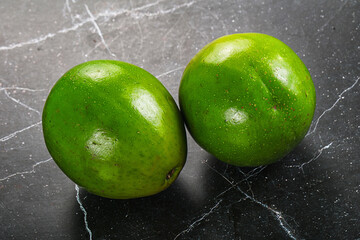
[{"x": 313, "y": 193}]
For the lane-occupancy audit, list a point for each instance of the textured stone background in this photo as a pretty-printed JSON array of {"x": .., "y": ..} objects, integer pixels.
[{"x": 313, "y": 193}]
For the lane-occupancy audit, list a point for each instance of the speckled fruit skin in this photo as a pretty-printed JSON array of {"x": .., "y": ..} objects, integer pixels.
[
  {"x": 115, "y": 130},
  {"x": 247, "y": 99}
]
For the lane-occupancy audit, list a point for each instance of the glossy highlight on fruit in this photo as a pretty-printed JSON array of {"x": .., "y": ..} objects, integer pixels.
[
  {"x": 247, "y": 99},
  {"x": 115, "y": 130}
]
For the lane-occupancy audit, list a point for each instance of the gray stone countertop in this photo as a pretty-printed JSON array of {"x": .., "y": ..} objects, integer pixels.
[{"x": 313, "y": 193}]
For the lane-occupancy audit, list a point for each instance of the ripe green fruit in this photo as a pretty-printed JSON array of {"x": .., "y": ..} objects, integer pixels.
[
  {"x": 247, "y": 99},
  {"x": 115, "y": 130}
]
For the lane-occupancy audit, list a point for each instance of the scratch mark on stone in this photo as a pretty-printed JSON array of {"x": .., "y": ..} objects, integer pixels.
[
  {"x": 25, "y": 172},
  {"x": 22, "y": 89},
  {"x": 140, "y": 31},
  {"x": 223, "y": 192},
  {"x": 168, "y": 72},
  {"x": 11, "y": 135},
  {"x": 216, "y": 18},
  {"x": 134, "y": 13},
  {"x": 248, "y": 175},
  {"x": 122, "y": 49},
  {"x": 137, "y": 15},
  {"x": 250, "y": 189},
  {"x": 96, "y": 46},
  {"x": 319, "y": 152},
  {"x": 172, "y": 27},
  {"x": 204, "y": 36},
  {"x": 141, "y": 36},
  {"x": 182, "y": 42},
  {"x": 329, "y": 109},
  {"x": 98, "y": 31},
  {"x": 68, "y": 9},
  {"x": 20, "y": 103},
  {"x": 164, "y": 38},
  {"x": 197, "y": 222},
  {"x": 253, "y": 172},
  {"x": 278, "y": 215},
  {"x": 83, "y": 210},
  {"x": 222, "y": 175},
  {"x": 331, "y": 18}
]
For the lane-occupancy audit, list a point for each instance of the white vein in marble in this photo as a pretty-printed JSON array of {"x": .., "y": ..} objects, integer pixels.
[
  {"x": 168, "y": 72},
  {"x": 20, "y": 103},
  {"x": 25, "y": 172},
  {"x": 198, "y": 221},
  {"x": 254, "y": 172},
  {"x": 277, "y": 214},
  {"x": 83, "y": 210},
  {"x": 134, "y": 13},
  {"x": 13, "y": 134},
  {"x": 98, "y": 30},
  {"x": 340, "y": 97},
  {"x": 316, "y": 156}
]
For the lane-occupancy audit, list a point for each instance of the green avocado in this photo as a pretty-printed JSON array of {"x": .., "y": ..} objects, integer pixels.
[
  {"x": 115, "y": 130},
  {"x": 247, "y": 99}
]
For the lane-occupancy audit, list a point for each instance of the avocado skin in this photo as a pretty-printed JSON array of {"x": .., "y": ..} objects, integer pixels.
[
  {"x": 115, "y": 130},
  {"x": 247, "y": 99}
]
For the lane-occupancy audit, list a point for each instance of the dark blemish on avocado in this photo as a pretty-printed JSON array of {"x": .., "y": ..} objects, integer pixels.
[
  {"x": 170, "y": 173},
  {"x": 94, "y": 156}
]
